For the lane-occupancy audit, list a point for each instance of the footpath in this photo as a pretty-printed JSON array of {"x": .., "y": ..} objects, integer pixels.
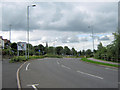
[{"x": 103, "y": 61}]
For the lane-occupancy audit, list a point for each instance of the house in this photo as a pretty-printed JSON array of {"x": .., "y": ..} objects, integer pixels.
[{"x": 1, "y": 42}]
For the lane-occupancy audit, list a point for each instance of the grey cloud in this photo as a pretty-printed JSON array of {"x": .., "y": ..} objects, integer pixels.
[
  {"x": 70, "y": 39},
  {"x": 62, "y": 16},
  {"x": 104, "y": 38},
  {"x": 84, "y": 39}
]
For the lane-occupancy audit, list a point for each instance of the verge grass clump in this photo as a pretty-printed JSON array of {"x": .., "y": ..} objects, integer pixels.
[
  {"x": 100, "y": 63},
  {"x": 23, "y": 58}
]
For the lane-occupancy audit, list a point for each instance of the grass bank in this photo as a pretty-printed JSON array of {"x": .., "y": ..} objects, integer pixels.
[
  {"x": 99, "y": 63},
  {"x": 23, "y": 58}
]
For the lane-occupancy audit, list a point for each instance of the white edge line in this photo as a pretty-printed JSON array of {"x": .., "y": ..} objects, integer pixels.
[
  {"x": 18, "y": 77},
  {"x": 27, "y": 66},
  {"x": 90, "y": 74},
  {"x": 34, "y": 87}
]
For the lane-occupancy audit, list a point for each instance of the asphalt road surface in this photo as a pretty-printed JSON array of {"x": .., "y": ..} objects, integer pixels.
[
  {"x": 66, "y": 73},
  {"x": 9, "y": 74}
]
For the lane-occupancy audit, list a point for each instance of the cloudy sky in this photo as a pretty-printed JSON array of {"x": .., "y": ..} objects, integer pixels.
[{"x": 61, "y": 23}]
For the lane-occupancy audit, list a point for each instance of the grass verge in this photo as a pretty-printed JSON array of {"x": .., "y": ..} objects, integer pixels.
[
  {"x": 23, "y": 58},
  {"x": 100, "y": 63}
]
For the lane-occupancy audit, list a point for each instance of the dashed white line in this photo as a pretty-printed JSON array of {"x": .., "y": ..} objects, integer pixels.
[
  {"x": 111, "y": 69},
  {"x": 58, "y": 62},
  {"x": 90, "y": 74},
  {"x": 27, "y": 66},
  {"x": 65, "y": 67}
]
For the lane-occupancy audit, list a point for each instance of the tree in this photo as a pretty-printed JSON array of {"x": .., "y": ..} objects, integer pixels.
[
  {"x": 88, "y": 52},
  {"x": 83, "y": 52},
  {"x": 67, "y": 51},
  {"x": 100, "y": 46},
  {"x": 14, "y": 46},
  {"x": 59, "y": 50},
  {"x": 51, "y": 50},
  {"x": 74, "y": 52},
  {"x": 80, "y": 53}
]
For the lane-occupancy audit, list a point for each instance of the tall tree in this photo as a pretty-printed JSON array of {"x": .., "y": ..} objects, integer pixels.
[
  {"x": 67, "y": 51},
  {"x": 59, "y": 50}
]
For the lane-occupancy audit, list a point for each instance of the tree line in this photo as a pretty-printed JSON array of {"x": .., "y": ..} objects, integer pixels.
[{"x": 109, "y": 52}]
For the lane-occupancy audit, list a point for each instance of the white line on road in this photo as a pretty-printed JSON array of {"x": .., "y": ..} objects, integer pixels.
[
  {"x": 34, "y": 86},
  {"x": 58, "y": 62},
  {"x": 65, "y": 67},
  {"x": 27, "y": 66},
  {"x": 90, "y": 74},
  {"x": 111, "y": 69},
  {"x": 18, "y": 77}
]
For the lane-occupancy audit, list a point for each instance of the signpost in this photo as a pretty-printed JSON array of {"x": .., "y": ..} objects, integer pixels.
[{"x": 21, "y": 46}]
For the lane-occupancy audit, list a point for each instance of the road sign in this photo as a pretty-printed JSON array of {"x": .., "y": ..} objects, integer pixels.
[{"x": 21, "y": 45}]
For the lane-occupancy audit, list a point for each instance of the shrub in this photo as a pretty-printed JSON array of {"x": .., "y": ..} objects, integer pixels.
[{"x": 18, "y": 59}]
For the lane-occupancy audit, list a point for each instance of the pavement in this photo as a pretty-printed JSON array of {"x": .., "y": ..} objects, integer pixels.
[
  {"x": 103, "y": 61},
  {"x": 9, "y": 74},
  {"x": 66, "y": 73}
]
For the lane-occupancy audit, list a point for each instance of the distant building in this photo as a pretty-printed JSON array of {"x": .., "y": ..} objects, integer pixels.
[
  {"x": 2, "y": 44},
  {"x": 6, "y": 41}
]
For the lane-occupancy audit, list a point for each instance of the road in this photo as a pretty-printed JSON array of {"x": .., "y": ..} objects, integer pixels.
[
  {"x": 66, "y": 73},
  {"x": 9, "y": 74}
]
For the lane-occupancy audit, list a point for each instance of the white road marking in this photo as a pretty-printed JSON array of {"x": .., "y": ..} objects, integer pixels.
[
  {"x": 111, "y": 69},
  {"x": 58, "y": 62},
  {"x": 18, "y": 77},
  {"x": 27, "y": 66},
  {"x": 34, "y": 86},
  {"x": 65, "y": 67},
  {"x": 90, "y": 74}
]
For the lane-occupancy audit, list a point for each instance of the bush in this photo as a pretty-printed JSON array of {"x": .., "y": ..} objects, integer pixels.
[
  {"x": 18, "y": 59},
  {"x": 23, "y": 58}
]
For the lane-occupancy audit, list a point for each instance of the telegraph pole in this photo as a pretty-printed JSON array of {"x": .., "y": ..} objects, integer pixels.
[
  {"x": 10, "y": 32},
  {"x": 10, "y": 38},
  {"x": 93, "y": 39}
]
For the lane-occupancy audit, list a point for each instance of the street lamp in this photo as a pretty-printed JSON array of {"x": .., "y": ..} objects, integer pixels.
[
  {"x": 28, "y": 25},
  {"x": 92, "y": 37}
]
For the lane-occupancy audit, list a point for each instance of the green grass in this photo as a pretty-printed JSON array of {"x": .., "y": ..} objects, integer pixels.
[
  {"x": 73, "y": 56},
  {"x": 106, "y": 60},
  {"x": 100, "y": 63}
]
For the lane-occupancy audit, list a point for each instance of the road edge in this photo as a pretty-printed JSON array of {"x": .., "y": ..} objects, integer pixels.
[{"x": 18, "y": 77}]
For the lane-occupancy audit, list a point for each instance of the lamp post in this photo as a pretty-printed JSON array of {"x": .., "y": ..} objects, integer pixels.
[
  {"x": 28, "y": 25},
  {"x": 10, "y": 39},
  {"x": 10, "y": 32},
  {"x": 92, "y": 37}
]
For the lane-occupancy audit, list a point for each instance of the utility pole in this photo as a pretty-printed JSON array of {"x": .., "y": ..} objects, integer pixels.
[
  {"x": 10, "y": 32},
  {"x": 28, "y": 25},
  {"x": 93, "y": 39},
  {"x": 10, "y": 38},
  {"x": 28, "y": 28}
]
